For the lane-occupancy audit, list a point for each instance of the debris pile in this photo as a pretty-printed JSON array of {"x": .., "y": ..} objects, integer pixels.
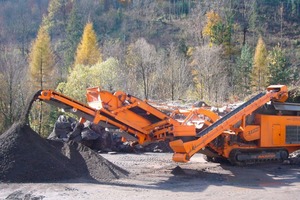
[
  {"x": 89, "y": 134},
  {"x": 97, "y": 138},
  {"x": 26, "y": 157},
  {"x": 295, "y": 158},
  {"x": 177, "y": 171}
]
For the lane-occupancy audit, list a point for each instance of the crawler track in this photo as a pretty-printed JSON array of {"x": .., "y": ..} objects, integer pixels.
[{"x": 256, "y": 156}]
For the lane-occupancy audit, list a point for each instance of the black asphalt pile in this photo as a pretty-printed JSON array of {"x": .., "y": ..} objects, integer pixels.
[
  {"x": 177, "y": 171},
  {"x": 26, "y": 157},
  {"x": 88, "y": 162}
]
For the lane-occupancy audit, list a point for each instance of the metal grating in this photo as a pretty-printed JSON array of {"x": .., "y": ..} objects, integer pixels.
[{"x": 292, "y": 134}]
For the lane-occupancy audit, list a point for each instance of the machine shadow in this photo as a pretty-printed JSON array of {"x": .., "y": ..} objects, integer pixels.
[
  {"x": 254, "y": 177},
  {"x": 185, "y": 179}
]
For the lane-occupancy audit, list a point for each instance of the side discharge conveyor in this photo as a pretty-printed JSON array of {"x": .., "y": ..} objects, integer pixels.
[{"x": 136, "y": 119}]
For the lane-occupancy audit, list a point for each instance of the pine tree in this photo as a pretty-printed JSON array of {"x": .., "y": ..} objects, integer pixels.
[
  {"x": 260, "y": 69},
  {"x": 73, "y": 35},
  {"x": 213, "y": 24},
  {"x": 88, "y": 52},
  {"x": 41, "y": 74},
  {"x": 218, "y": 31},
  {"x": 244, "y": 68},
  {"x": 279, "y": 67},
  {"x": 41, "y": 61},
  {"x": 55, "y": 20}
]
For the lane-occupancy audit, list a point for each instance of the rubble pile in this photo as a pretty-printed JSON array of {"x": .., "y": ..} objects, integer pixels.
[
  {"x": 89, "y": 134},
  {"x": 95, "y": 137},
  {"x": 26, "y": 157},
  {"x": 295, "y": 157}
]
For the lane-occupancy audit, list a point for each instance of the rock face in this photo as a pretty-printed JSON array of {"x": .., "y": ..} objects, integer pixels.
[{"x": 26, "y": 157}]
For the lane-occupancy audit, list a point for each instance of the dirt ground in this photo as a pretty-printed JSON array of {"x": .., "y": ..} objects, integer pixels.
[{"x": 155, "y": 176}]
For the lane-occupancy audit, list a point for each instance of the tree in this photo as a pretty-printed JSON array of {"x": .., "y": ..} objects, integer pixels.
[
  {"x": 56, "y": 19},
  {"x": 218, "y": 31},
  {"x": 209, "y": 75},
  {"x": 41, "y": 69},
  {"x": 142, "y": 58},
  {"x": 193, "y": 26},
  {"x": 260, "y": 69},
  {"x": 213, "y": 21},
  {"x": 104, "y": 75},
  {"x": 77, "y": 83},
  {"x": 243, "y": 72},
  {"x": 248, "y": 20},
  {"x": 177, "y": 74},
  {"x": 13, "y": 88},
  {"x": 73, "y": 35},
  {"x": 279, "y": 67},
  {"x": 108, "y": 74},
  {"x": 88, "y": 52},
  {"x": 41, "y": 61}
]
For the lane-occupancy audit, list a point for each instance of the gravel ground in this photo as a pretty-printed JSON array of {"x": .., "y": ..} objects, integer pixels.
[{"x": 155, "y": 176}]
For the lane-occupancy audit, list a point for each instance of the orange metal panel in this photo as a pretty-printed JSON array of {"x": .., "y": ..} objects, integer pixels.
[
  {"x": 133, "y": 120},
  {"x": 184, "y": 130},
  {"x": 277, "y": 135},
  {"x": 251, "y": 133},
  {"x": 273, "y": 129},
  {"x": 178, "y": 146}
]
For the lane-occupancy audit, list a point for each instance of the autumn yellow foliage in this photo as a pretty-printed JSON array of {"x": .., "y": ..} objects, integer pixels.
[
  {"x": 88, "y": 52},
  {"x": 260, "y": 69},
  {"x": 41, "y": 61},
  {"x": 212, "y": 20}
]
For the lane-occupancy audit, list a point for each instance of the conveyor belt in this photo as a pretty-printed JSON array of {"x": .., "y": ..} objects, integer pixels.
[{"x": 231, "y": 114}]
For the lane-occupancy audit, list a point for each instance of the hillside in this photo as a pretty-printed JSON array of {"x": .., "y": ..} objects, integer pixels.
[{"x": 168, "y": 50}]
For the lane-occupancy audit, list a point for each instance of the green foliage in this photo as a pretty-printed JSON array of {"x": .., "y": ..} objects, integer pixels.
[
  {"x": 55, "y": 20},
  {"x": 77, "y": 82},
  {"x": 41, "y": 118},
  {"x": 81, "y": 77},
  {"x": 73, "y": 35},
  {"x": 243, "y": 72},
  {"x": 218, "y": 31},
  {"x": 253, "y": 15},
  {"x": 279, "y": 67},
  {"x": 107, "y": 73}
]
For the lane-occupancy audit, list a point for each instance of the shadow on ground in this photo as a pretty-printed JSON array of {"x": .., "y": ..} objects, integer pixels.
[{"x": 197, "y": 177}]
